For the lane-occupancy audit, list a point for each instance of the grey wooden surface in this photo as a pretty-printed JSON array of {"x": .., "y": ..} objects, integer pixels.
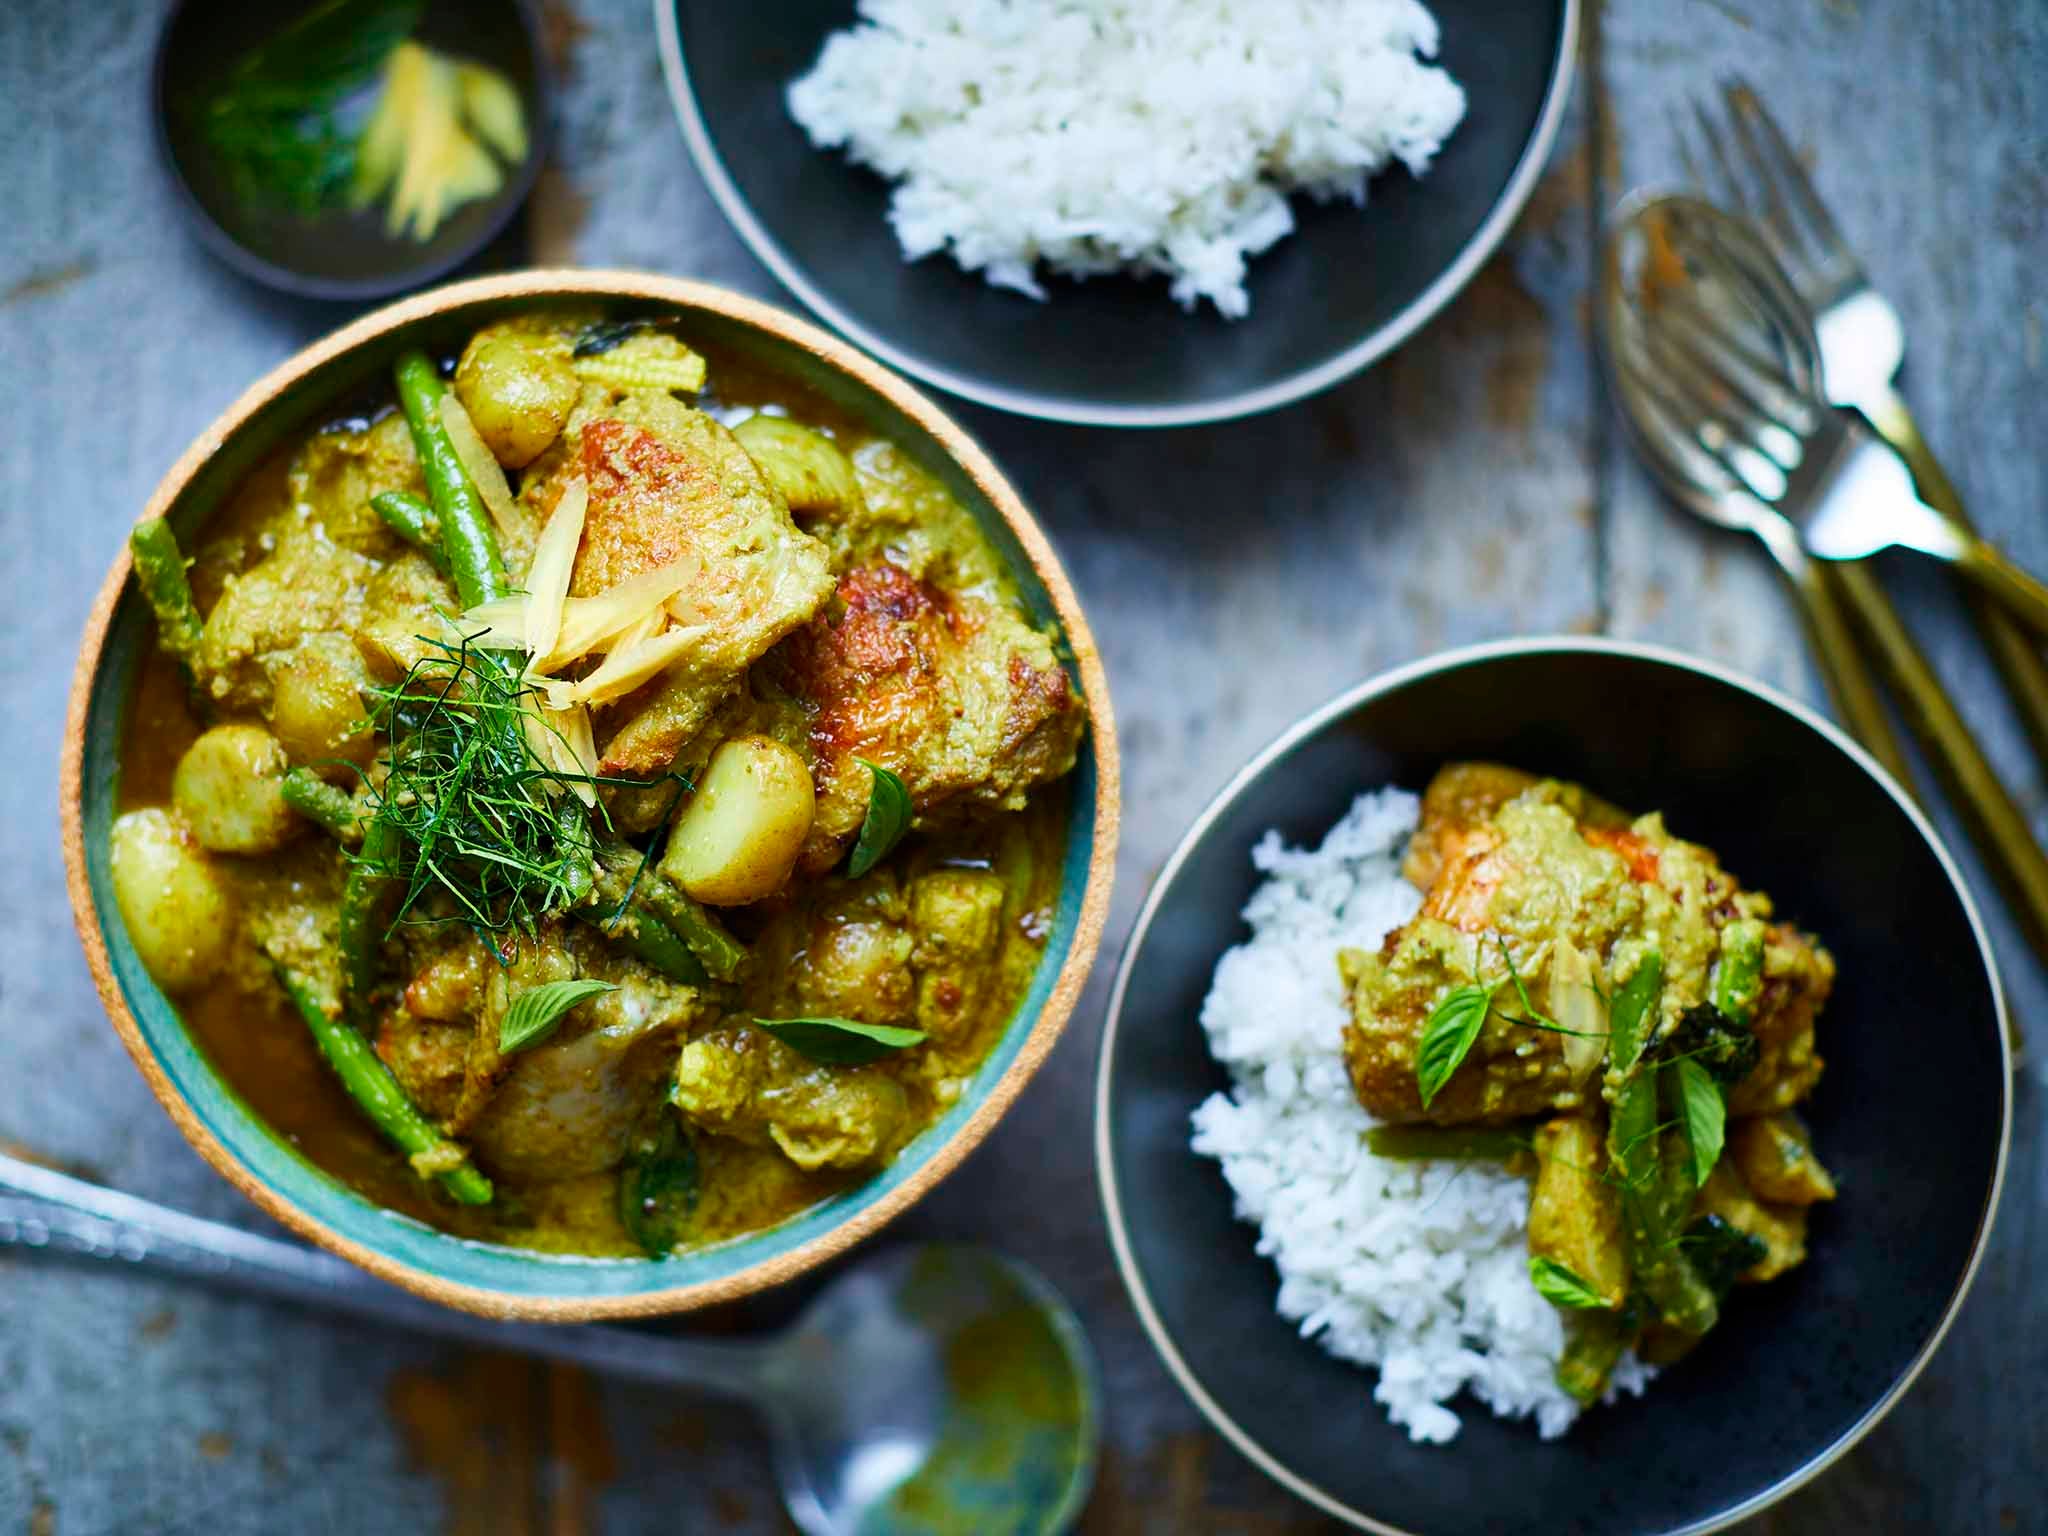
[{"x": 1472, "y": 486}]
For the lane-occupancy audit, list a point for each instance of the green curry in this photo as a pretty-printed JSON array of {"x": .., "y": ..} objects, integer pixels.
[
  {"x": 1590, "y": 997},
  {"x": 589, "y": 812}
]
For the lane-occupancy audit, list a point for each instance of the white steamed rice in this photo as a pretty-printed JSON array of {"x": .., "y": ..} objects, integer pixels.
[
  {"x": 1420, "y": 1269},
  {"x": 1125, "y": 135}
]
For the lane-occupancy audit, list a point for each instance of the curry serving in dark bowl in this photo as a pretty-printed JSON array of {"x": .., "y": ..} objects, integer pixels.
[{"x": 1866, "y": 915}]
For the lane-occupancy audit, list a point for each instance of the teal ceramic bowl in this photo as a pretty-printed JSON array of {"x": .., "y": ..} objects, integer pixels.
[{"x": 505, "y": 1282}]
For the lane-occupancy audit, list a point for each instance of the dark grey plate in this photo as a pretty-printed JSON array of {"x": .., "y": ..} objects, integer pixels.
[
  {"x": 336, "y": 255},
  {"x": 1913, "y": 1113},
  {"x": 1348, "y": 286}
]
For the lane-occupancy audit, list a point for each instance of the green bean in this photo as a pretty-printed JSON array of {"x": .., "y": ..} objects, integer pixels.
[
  {"x": 467, "y": 538},
  {"x": 1739, "y": 977},
  {"x": 724, "y": 956},
  {"x": 1596, "y": 1342},
  {"x": 322, "y": 803},
  {"x": 370, "y": 1083},
  {"x": 647, "y": 938},
  {"x": 1493, "y": 1142},
  {"x": 363, "y": 899},
  {"x": 160, "y": 573},
  {"x": 1646, "y": 1157},
  {"x": 1630, "y": 1022},
  {"x": 413, "y": 521}
]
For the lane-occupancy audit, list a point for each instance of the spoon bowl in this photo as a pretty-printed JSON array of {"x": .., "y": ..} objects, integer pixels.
[{"x": 934, "y": 1387}]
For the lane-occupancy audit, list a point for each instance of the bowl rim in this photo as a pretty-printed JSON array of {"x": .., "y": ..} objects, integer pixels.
[
  {"x": 555, "y": 284},
  {"x": 254, "y": 264},
  {"x": 1521, "y": 184},
  {"x": 1336, "y": 709}
]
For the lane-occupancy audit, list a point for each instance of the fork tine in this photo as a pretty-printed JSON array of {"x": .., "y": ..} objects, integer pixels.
[
  {"x": 1756, "y": 187},
  {"x": 1693, "y": 171},
  {"x": 1717, "y": 146},
  {"x": 1777, "y": 162}
]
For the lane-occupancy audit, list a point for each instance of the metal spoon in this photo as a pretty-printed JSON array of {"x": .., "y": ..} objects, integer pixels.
[{"x": 934, "y": 1387}]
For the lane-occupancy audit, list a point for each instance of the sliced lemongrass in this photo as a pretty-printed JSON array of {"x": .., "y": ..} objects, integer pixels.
[
  {"x": 646, "y": 627},
  {"x": 623, "y": 671},
  {"x": 588, "y": 621},
  {"x": 554, "y": 555},
  {"x": 481, "y": 467},
  {"x": 572, "y": 727},
  {"x": 497, "y": 625}
]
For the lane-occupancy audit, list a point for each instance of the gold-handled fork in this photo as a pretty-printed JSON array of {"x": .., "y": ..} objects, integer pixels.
[
  {"x": 1716, "y": 368},
  {"x": 1741, "y": 156}
]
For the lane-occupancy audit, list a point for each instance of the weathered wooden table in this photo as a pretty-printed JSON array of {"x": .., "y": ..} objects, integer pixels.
[{"x": 1474, "y": 485}]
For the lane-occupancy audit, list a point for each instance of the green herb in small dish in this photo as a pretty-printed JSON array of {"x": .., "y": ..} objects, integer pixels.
[{"x": 340, "y": 109}]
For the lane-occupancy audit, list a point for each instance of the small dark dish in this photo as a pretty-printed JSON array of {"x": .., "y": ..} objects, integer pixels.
[
  {"x": 1348, "y": 286},
  {"x": 1802, "y": 1368},
  {"x": 336, "y": 254}
]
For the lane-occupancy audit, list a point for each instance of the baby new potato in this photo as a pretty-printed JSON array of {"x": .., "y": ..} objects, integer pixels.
[
  {"x": 518, "y": 388},
  {"x": 316, "y": 703},
  {"x": 180, "y": 915},
  {"x": 229, "y": 788},
  {"x": 738, "y": 838}
]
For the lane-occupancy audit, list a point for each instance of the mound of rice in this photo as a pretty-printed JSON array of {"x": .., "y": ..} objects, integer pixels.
[
  {"x": 1420, "y": 1269},
  {"x": 1125, "y": 135}
]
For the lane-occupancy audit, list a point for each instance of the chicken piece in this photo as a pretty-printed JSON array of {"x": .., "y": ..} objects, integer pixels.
[
  {"x": 333, "y": 477},
  {"x": 1780, "y": 1228},
  {"x": 429, "y": 1058},
  {"x": 404, "y": 618},
  {"x": 1575, "y": 1210},
  {"x": 1798, "y": 976},
  {"x": 742, "y": 1082},
  {"x": 304, "y": 587},
  {"x": 1545, "y": 864},
  {"x": 1774, "y": 1155},
  {"x": 1463, "y": 797},
  {"x": 862, "y": 949},
  {"x": 572, "y": 1104},
  {"x": 674, "y": 486},
  {"x": 844, "y": 953},
  {"x": 957, "y": 917},
  {"x": 956, "y": 694}
]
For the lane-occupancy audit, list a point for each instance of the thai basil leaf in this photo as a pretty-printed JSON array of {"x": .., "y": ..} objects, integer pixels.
[
  {"x": 535, "y": 1012},
  {"x": 1705, "y": 1116},
  {"x": 1560, "y": 1287},
  {"x": 841, "y": 1042},
  {"x": 1454, "y": 1023},
  {"x": 888, "y": 818}
]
